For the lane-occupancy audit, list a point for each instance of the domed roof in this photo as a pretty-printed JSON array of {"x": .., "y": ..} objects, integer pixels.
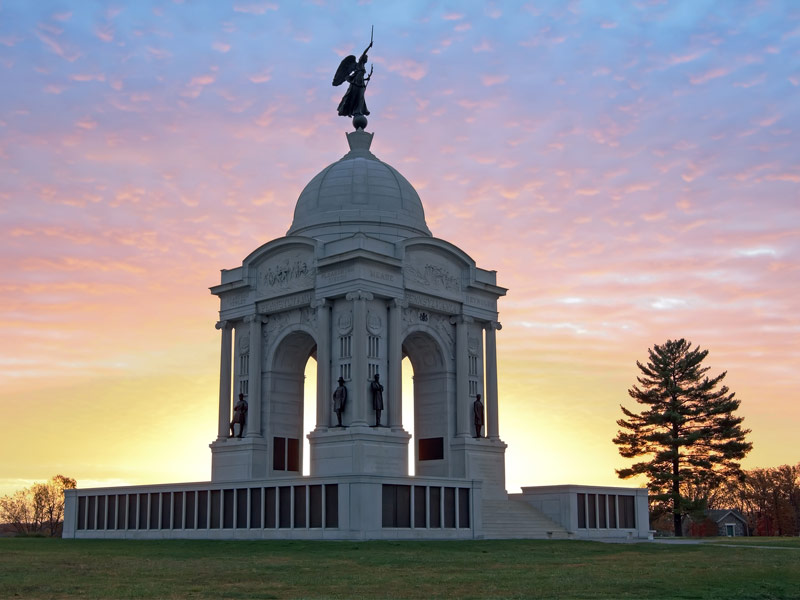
[{"x": 359, "y": 193}]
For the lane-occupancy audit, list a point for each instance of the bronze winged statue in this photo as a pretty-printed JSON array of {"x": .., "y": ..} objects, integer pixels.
[{"x": 355, "y": 72}]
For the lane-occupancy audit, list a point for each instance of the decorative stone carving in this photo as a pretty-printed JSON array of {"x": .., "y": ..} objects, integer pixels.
[
  {"x": 374, "y": 323},
  {"x": 308, "y": 316},
  {"x": 442, "y": 324},
  {"x": 277, "y": 322},
  {"x": 345, "y": 322},
  {"x": 473, "y": 345},
  {"x": 244, "y": 343},
  {"x": 433, "y": 276},
  {"x": 295, "y": 271}
]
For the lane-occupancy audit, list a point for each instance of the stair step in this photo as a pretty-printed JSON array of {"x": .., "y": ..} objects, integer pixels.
[{"x": 514, "y": 519}]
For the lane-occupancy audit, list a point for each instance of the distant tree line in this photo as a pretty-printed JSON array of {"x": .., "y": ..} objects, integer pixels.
[
  {"x": 768, "y": 498},
  {"x": 38, "y": 509}
]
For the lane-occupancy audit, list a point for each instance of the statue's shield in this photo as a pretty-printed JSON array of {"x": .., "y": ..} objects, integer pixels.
[{"x": 345, "y": 68}]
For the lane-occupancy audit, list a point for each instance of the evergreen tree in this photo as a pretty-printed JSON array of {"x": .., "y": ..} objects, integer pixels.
[{"x": 686, "y": 431}]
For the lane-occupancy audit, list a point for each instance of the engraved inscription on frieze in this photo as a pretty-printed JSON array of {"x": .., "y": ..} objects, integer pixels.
[
  {"x": 444, "y": 306},
  {"x": 334, "y": 275},
  {"x": 481, "y": 302},
  {"x": 285, "y": 303},
  {"x": 378, "y": 275},
  {"x": 234, "y": 300}
]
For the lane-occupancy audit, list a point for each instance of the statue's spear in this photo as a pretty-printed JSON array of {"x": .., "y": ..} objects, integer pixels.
[{"x": 372, "y": 66}]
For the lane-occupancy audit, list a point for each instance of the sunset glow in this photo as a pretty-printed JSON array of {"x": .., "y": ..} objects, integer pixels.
[{"x": 631, "y": 170}]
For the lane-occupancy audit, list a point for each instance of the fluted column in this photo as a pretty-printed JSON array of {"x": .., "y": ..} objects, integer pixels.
[
  {"x": 324, "y": 391},
  {"x": 224, "y": 379},
  {"x": 359, "y": 373},
  {"x": 395, "y": 366},
  {"x": 462, "y": 376},
  {"x": 492, "y": 424},
  {"x": 254, "y": 374}
]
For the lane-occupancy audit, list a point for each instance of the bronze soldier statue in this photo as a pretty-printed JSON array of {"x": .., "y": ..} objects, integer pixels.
[
  {"x": 377, "y": 398},
  {"x": 340, "y": 400},
  {"x": 477, "y": 411},
  {"x": 239, "y": 415}
]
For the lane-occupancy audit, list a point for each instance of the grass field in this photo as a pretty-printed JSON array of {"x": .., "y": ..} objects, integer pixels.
[{"x": 54, "y": 568}]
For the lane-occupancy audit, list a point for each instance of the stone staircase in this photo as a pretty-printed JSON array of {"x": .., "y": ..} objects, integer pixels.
[{"x": 516, "y": 519}]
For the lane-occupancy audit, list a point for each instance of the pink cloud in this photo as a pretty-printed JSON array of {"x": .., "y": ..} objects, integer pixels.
[
  {"x": 87, "y": 124},
  {"x": 261, "y": 77},
  {"x": 88, "y": 77},
  {"x": 490, "y": 80},
  {"x": 68, "y": 55},
  {"x": 255, "y": 8},
  {"x": 409, "y": 68},
  {"x": 709, "y": 75},
  {"x": 105, "y": 33}
]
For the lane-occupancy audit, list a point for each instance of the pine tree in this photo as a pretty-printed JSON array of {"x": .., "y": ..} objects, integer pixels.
[{"x": 686, "y": 431}]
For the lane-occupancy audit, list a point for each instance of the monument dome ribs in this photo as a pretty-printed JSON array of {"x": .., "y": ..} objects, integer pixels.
[{"x": 359, "y": 193}]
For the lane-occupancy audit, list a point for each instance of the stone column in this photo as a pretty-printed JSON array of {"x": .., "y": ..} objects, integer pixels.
[
  {"x": 254, "y": 375},
  {"x": 359, "y": 372},
  {"x": 492, "y": 425},
  {"x": 395, "y": 366},
  {"x": 324, "y": 391},
  {"x": 224, "y": 380},
  {"x": 463, "y": 406}
]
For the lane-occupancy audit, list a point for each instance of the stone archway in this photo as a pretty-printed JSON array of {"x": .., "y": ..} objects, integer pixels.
[
  {"x": 285, "y": 376},
  {"x": 433, "y": 402}
]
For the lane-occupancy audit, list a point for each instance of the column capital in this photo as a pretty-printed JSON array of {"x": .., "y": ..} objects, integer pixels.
[
  {"x": 398, "y": 303},
  {"x": 492, "y": 325},
  {"x": 222, "y": 325},
  {"x": 320, "y": 303},
  {"x": 249, "y": 319},
  {"x": 456, "y": 319},
  {"x": 359, "y": 295}
]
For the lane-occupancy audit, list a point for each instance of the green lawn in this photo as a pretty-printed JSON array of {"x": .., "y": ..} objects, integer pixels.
[
  {"x": 45, "y": 568},
  {"x": 783, "y": 542}
]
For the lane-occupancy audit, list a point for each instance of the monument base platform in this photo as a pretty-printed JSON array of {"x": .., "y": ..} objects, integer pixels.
[
  {"x": 358, "y": 450},
  {"x": 238, "y": 459}
]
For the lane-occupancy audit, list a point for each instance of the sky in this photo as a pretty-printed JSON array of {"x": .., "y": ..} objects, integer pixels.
[{"x": 631, "y": 170}]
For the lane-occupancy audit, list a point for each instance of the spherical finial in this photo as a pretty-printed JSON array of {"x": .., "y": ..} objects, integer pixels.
[{"x": 359, "y": 122}]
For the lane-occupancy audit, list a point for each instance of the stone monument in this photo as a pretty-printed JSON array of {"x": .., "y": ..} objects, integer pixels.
[{"x": 358, "y": 283}]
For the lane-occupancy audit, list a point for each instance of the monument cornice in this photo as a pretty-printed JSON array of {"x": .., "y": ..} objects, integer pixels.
[{"x": 358, "y": 254}]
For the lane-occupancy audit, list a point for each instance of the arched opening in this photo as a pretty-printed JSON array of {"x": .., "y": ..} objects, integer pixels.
[
  {"x": 426, "y": 415},
  {"x": 408, "y": 412},
  {"x": 309, "y": 410},
  {"x": 288, "y": 402}
]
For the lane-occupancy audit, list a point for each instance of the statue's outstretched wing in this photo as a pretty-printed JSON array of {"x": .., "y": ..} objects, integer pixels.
[{"x": 345, "y": 68}]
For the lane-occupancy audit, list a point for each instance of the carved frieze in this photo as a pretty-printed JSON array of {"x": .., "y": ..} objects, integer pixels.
[
  {"x": 286, "y": 272},
  {"x": 433, "y": 276}
]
